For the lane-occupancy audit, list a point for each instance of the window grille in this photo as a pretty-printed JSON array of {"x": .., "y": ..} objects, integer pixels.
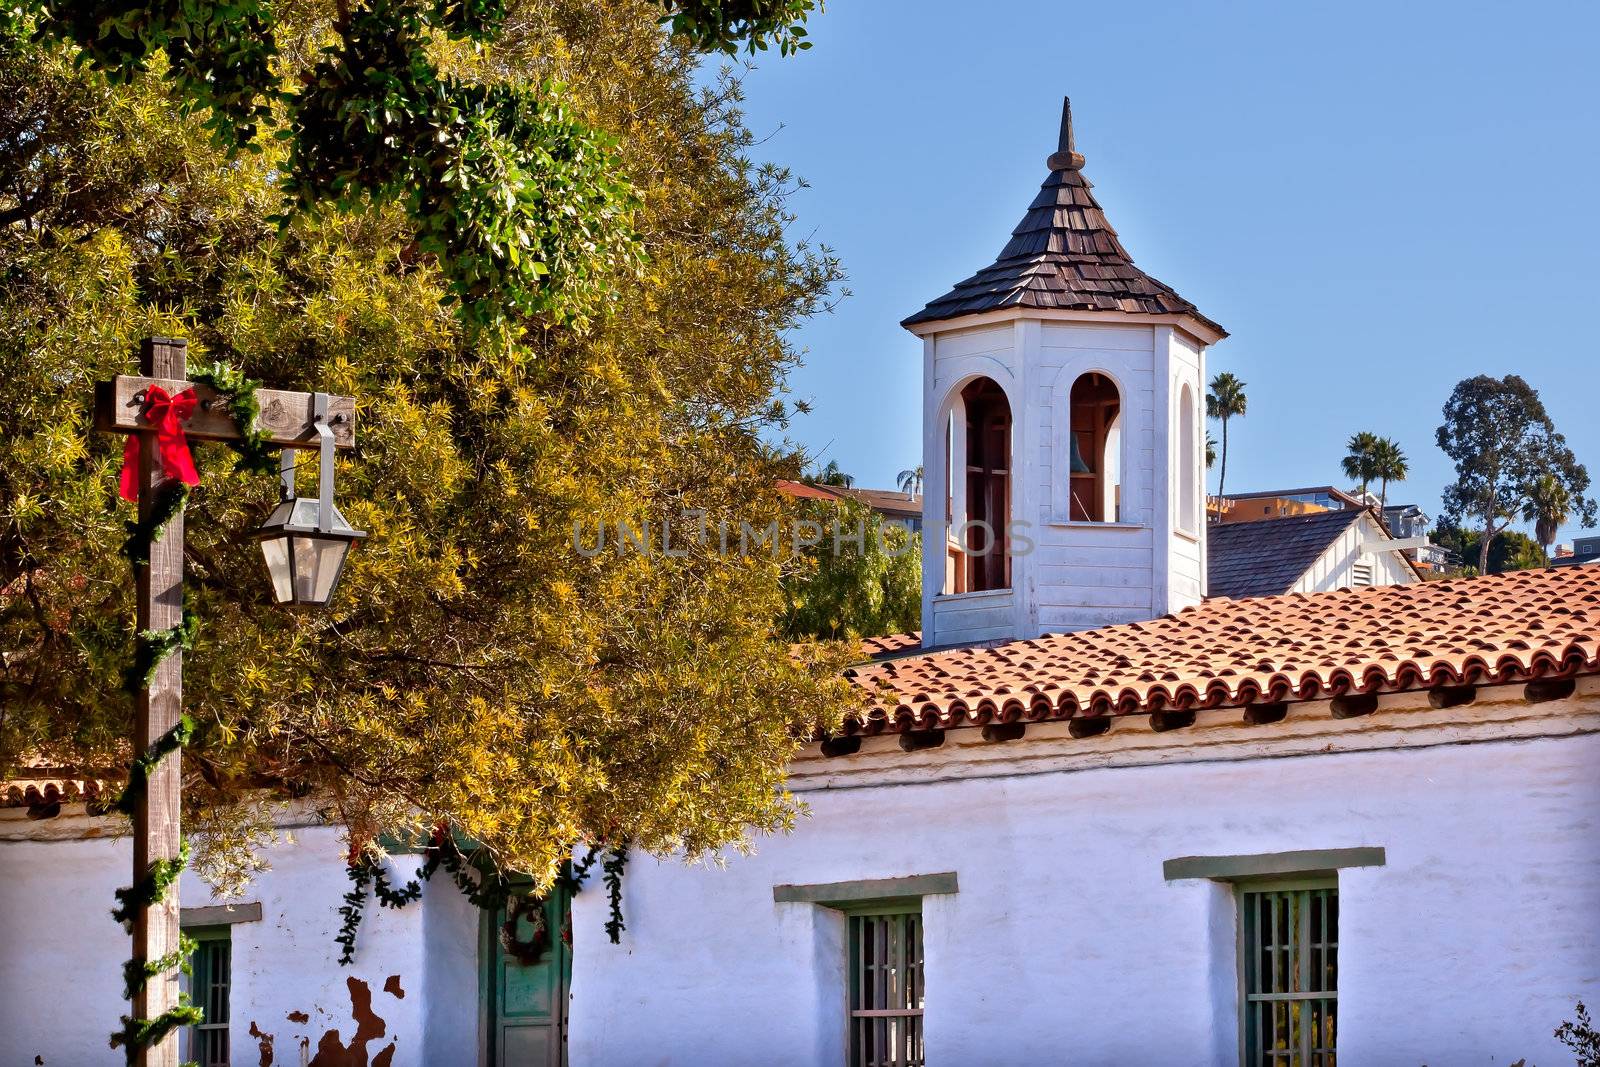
[
  {"x": 886, "y": 988},
  {"x": 1289, "y": 962},
  {"x": 211, "y": 970}
]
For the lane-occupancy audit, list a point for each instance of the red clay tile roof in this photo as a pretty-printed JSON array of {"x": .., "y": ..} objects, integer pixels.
[
  {"x": 891, "y": 644},
  {"x": 35, "y": 787},
  {"x": 1228, "y": 653},
  {"x": 887, "y": 502},
  {"x": 804, "y": 491},
  {"x": 1063, "y": 254}
]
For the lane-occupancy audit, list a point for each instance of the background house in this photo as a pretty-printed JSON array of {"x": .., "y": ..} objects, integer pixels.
[{"x": 1303, "y": 553}]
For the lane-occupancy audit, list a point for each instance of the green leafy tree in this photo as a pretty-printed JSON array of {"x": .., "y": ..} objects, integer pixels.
[
  {"x": 862, "y": 576},
  {"x": 476, "y": 668},
  {"x": 1503, "y": 441},
  {"x": 1225, "y": 400},
  {"x": 1388, "y": 465},
  {"x": 1512, "y": 550},
  {"x": 910, "y": 481},
  {"x": 1359, "y": 463},
  {"x": 1548, "y": 507},
  {"x": 519, "y": 199}
]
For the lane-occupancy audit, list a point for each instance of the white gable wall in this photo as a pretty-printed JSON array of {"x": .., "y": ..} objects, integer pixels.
[
  {"x": 1336, "y": 567},
  {"x": 1065, "y": 943}
]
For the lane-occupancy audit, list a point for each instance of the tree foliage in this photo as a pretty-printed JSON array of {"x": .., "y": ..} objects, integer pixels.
[
  {"x": 1389, "y": 464},
  {"x": 1225, "y": 399},
  {"x": 475, "y": 669},
  {"x": 862, "y": 577},
  {"x": 1370, "y": 458},
  {"x": 1512, "y": 550},
  {"x": 518, "y": 197},
  {"x": 1548, "y": 507},
  {"x": 1503, "y": 441},
  {"x": 1359, "y": 463}
]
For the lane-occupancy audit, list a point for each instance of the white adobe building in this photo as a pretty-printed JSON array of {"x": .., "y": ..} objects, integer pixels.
[{"x": 1116, "y": 825}]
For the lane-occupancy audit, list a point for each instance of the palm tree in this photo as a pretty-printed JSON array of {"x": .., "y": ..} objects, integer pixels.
[
  {"x": 1211, "y": 450},
  {"x": 1224, "y": 400},
  {"x": 1358, "y": 460},
  {"x": 830, "y": 475},
  {"x": 1548, "y": 507},
  {"x": 911, "y": 481},
  {"x": 1388, "y": 465}
]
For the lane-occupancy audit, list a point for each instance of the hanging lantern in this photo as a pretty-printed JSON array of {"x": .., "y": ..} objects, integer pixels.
[{"x": 306, "y": 541}]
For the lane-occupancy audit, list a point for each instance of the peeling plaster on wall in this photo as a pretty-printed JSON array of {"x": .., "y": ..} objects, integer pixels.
[
  {"x": 332, "y": 1052},
  {"x": 392, "y": 987},
  {"x": 298, "y": 1017},
  {"x": 55, "y": 896},
  {"x": 264, "y": 1042}
]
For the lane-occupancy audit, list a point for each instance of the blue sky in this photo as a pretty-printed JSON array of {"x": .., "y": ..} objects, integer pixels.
[{"x": 1376, "y": 200}]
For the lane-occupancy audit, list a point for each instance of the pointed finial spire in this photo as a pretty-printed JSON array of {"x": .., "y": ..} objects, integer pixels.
[{"x": 1066, "y": 156}]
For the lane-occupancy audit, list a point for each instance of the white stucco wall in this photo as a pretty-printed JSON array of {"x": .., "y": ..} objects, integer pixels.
[
  {"x": 1066, "y": 945},
  {"x": 63, "y": 985}
]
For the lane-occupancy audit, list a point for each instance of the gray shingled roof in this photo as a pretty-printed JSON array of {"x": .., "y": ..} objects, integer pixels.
[
  {"x": 1063, "y": 254},
  {"x": 1266, "y": 557}
]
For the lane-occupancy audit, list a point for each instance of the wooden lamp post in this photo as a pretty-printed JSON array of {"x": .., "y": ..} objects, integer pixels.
[{"x": 287, "y": 419}]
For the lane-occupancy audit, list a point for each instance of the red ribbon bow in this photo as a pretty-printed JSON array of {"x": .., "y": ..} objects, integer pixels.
[{"x": 167, "y": 414}]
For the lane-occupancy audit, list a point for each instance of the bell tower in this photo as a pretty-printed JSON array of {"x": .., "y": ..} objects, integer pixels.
[{"x": 1063, "y": 432}]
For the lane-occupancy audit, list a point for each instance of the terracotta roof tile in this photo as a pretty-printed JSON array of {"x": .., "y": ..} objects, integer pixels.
[
  {"x": 39, "y": 787},
  {"x": 891, "y": 644},
  {"x": 1229, "y": 653},
  {"x": 1063, "y": 254}
]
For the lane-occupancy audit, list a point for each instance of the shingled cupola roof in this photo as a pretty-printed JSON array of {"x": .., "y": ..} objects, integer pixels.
[{"x": 1062, "y": 255}]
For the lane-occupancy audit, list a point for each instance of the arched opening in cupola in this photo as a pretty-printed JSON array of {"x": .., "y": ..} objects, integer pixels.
[
  {"x": 978, "y": 444},
  {"x": 1095, "y": 425},
  {"x": 1188, "y": 463}
]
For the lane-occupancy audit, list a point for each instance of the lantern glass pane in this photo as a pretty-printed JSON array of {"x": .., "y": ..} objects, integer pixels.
[
  {"x": 276, "y": 550},
  {"x": 317, "y": 563}
]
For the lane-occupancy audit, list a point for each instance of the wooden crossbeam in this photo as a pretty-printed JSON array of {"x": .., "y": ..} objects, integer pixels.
[{"x": 286, "y": 417}]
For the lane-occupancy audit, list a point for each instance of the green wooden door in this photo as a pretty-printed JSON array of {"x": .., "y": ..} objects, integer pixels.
[{"x": 525, "y": 1004}]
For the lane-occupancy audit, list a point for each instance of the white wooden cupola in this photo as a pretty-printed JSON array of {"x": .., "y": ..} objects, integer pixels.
[{"x": 1063, "y": 432}]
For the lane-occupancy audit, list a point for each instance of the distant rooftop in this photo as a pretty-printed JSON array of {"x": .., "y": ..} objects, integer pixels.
[{"x": 1267, "y": 556}]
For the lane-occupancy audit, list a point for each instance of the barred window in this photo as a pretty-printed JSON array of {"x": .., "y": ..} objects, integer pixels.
[
  {"x": 1289, "y": 945},
  {"x": 886, "y": 987},
  {"x": 210, "y": 974}
]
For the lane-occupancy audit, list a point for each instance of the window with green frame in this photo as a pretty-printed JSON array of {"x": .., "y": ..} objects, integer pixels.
[
  {"x": 211, "y": 966},
  {"x": 886, "y": 984},
  {"x": 1289, "y": 972}
]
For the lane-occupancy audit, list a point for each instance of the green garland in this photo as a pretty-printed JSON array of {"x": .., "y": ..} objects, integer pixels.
[
  {"x": 152, "y": 888},
  {"x": 490, "y": 890},
  {"x": 257, "y": 455},
  {"x": 137, "y": 973},
  {"x": 170, "y": 500},
  {"x": 614, "y": 865},
  {"x": 151, "y": 648}
]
